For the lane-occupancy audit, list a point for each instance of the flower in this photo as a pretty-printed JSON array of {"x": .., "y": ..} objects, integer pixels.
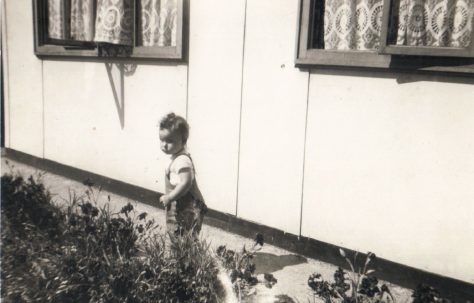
[
  {"x": 94, "y": 212},
  {"x": 88, "y": 182},
  {"x": 126, "y": 209},
  {"x": 371, "y": 256},
  {"x": 252, "y": 280},
  {"x": 369, "y": 287},
  {"x": 339, "y": 277},
  {"x": 315, "y": 281},
  {"x": 86, "y": 208},
  {"x": 270, "y": 278}
]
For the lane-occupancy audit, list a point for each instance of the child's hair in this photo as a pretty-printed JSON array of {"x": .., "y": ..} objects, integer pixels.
[{"x": 176, "y": 124}]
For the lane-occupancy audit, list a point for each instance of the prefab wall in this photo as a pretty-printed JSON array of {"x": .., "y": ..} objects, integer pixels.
[{"x": 373, "y": 161}]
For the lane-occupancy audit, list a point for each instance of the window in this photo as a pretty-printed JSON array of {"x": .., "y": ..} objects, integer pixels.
[
  {"x": 109, "y": 28},
  {"x": 416, "y": 34},
  {"x": 431, "y": 28}
]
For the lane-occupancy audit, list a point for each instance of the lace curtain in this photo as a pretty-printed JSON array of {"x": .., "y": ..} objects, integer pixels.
[
  {"x": 159, "y": 21},
  {"x": 445, "y": 23},
  {"x": 112, "y": 22},
  {"x": 82, "y": 20},
  {"x": 56, "y": 19},
  {"x": 352, "y": 24}
]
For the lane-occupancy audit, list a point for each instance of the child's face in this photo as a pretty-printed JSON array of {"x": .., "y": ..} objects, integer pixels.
[{"x": 171, "y": 142}]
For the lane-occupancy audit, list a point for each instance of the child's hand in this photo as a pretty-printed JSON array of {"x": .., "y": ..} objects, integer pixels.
[{"x": 165, "y": 200}]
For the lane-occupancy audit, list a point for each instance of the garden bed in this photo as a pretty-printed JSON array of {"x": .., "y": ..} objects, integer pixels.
[
  {"x": 68, "y": 253},
  {"x": 86, "y": 253}
]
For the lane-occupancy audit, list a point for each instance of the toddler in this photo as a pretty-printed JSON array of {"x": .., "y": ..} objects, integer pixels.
[{"x": 183, "y": 201}]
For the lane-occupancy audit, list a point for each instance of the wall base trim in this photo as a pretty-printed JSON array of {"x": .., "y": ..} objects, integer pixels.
[{"x": 393, "y": 272}]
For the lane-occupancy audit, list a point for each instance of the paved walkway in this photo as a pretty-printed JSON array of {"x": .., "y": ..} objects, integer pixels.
[{"x": 291, "y": 271}]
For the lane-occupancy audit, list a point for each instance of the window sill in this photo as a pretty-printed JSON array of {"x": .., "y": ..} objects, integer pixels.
[
  {"x": 139, "y": 53},
  {"x": 60, "y": 51},
  {"x": 343, "y": 58},
  {"x": 372, "y": 60}
]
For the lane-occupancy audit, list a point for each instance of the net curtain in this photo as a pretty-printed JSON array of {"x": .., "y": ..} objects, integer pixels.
[
  {"x": 444, "y": 23},
  {"x": 56, "y": 24},
  {"x": 158, "y": 22},
  {"x": 356, "y": 24},
  {"x": 82, "y": 20},
  {"x": 352, "y": 24},
  {"x": 112, "y": 21}
]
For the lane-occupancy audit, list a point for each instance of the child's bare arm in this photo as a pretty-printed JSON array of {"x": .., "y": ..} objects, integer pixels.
[{"x": 186, "y": 181}]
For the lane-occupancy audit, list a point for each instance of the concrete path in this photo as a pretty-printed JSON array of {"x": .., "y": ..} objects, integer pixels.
[{"x": 291, "y": 271}]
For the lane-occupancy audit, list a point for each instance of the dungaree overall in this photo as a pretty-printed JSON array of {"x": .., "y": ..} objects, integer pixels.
[{"x": 186, "y": 214}]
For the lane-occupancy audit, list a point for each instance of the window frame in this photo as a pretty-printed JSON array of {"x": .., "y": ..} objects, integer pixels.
[
  {"x": 164, "y": 52},
  {"x": 386, "y": 48},
  {"x": 388, "y": 57},
  {"x": 45, "y": 47},
  {"x": 313, "y": 56}
]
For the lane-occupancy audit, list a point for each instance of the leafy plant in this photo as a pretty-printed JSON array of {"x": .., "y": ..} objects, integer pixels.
[
  {"x": 425, "y": 293},
  {"x": 354, "y": 287},
  {"x": 27, "y": 201},
  {"x": 30, "y": 226},
  {"x": 86, "y": 253},
  {"x": 242, "y": 269}
]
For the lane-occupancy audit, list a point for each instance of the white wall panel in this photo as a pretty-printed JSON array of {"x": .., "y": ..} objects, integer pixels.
[
  {"x": 215, "y": 72},
  {"x": 273, "y": 117},
  {"x": 390, "y": 169},
  {"x": 83, "y": 124},
  {"x": 25, "y": 103}
]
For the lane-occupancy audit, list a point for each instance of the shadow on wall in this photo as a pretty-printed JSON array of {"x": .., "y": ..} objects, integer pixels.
[
  {"x": 399, "y": 75},
  {"x": 116, "y": 73},
  {"x": 268, "y": 263}
]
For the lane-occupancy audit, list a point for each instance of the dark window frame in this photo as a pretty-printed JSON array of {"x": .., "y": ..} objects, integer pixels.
[
  {"x": 388, "y": 57},
  {"x": 45, "y": 47},
  {"x": 387, "y": 48}
]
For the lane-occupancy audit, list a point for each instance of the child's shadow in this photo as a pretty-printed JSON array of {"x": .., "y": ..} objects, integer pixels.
[{"x": 268, "y": 263}]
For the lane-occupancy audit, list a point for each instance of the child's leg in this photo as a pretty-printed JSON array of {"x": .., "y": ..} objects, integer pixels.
[
  {"x": 171, "y": 219},
  {"x": 190, "y": 219},
  {"x": 199, "y": 217}
]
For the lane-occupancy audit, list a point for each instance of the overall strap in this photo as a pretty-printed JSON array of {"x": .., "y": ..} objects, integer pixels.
[
  {"x": 168, "y": 170},
  {"x": 194, "y": 192}
]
